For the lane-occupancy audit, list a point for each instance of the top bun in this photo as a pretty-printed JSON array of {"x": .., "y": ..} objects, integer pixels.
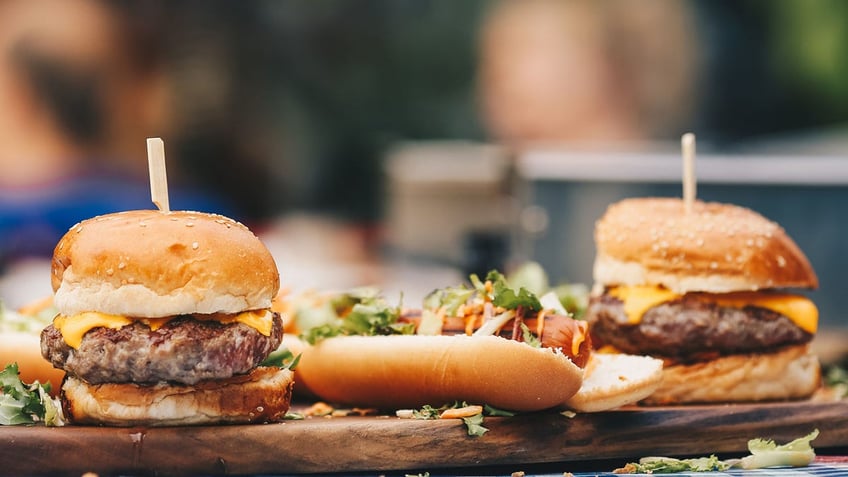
[
  {"x": 715, "y": 248},
  {"x": 150, "y": 263}
]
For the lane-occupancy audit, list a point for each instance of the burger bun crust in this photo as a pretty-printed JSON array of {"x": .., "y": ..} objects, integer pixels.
[
  {"x": 263, "y": 395},
  {"x": 788, "y": 373},
  {"x": 715, "y": 248},
  {"x": 150, "y": 263}
]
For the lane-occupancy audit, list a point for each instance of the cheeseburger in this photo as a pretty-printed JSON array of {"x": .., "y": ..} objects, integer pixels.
[
  {"x": 163, "y": 319},
  {"x": 706, "y": 291}
]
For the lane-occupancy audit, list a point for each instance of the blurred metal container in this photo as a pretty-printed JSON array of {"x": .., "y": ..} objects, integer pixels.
[
  {"x": 449, "y": 202},
  {"x": 564, "y": 193}
]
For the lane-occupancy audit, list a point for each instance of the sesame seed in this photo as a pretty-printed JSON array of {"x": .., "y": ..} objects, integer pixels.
[
  {"x": 781, "y": 262},
  {"x": 121, "y": 265},
  {"x": 194, "y": 245},
  {"x": 110, "y": 272},
  {"x": 189, "y": 224}
]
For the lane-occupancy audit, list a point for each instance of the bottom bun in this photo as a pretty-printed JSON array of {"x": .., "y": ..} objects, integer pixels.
[
  {"x": 615, "y": 380},
  {"x": 263, "y": 395},
  {"x": 404, "y": 371},
  {"x": 25, "y": 349},
  {"x": 790, "y": 373}
]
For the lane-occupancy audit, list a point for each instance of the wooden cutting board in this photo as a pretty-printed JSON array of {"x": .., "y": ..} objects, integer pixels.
[{"x": 383, "y": 443}]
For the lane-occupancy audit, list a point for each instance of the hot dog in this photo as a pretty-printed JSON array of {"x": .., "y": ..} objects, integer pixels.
[{"x": 486, "y": 343}]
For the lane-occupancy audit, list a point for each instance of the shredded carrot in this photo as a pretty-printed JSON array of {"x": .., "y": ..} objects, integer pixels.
[
  {"x": 461, "y": 412},
  {"x": 540, "y": 324}
]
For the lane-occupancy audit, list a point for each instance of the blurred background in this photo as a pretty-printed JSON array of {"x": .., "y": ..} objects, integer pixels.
[{"x": 405, "y": 143}]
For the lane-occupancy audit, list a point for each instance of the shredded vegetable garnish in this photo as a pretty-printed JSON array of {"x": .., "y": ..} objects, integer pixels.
[
  {"x": 471, "y": 415},
  {"x": 22, "y": 403},
  {"x": 358, "y": 313},
  {"x": 12, "y": 321},
  {"x": 764, "y": 453}
]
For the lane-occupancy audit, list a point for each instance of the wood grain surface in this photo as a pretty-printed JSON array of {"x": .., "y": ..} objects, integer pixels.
[{"x": 386, "y": 443}]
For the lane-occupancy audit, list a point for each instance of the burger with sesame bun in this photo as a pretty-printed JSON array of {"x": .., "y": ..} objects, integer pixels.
[
  {"x": 706, "y": 290},
  {"x": 163, "y": 319}
]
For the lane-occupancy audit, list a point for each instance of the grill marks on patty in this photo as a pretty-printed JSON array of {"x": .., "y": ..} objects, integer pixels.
[
  {"x": 184, "y": 350},
  {"x": 687, "y": 329}
]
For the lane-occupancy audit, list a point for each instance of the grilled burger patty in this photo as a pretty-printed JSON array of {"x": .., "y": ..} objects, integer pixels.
[
  {"x": 184, "y": 350},
  {"x": 687, "y": 328}
]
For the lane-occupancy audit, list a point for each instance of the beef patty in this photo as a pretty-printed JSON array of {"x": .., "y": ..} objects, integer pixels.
[
  {"x": 184, "y": 350},
  {"x": 688, "y": 328}
]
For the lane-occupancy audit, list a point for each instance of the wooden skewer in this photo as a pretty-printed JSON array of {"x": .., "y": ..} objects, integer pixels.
[
  {"x": 158, "y": 176},
  {"x": 687, "y": 142}
]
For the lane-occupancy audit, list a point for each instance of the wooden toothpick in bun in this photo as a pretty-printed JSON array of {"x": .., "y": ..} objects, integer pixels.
[{"x": 706, "y": 290}]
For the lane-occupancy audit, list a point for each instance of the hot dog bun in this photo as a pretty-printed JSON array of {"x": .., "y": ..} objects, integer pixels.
[
  {"x": 24, "y": 348},
  {"x": 615, "y": 380},
  {"x": 404, "y": 371}
]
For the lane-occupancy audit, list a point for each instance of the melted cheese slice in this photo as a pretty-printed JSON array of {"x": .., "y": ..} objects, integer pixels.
[
  {"x": 639, "y": 299},
  {"x": 74, "y": 327}
]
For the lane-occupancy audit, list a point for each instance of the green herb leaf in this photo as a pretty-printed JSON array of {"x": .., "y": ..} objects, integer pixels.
[
  {"x": 25, "y": 404},
  {"x": 529, "y": 337},
  {"x": 427, "y": 412},
  {"x": 668, "y": 465},
  {"x": 474, "y": 424},
  {"x": 318, "y": 333},
  {"x": 375, "y": 320},
  {"x": 504, "y": 296},
  {"x": 282, "y": 358},
  {"x": 451, "y": 298},
  {"x": 369, "y": 316},
  {"x": 478, "y": 284},
  {"x": 766, "y": 453},
  {"x": 493, "y": 411}
]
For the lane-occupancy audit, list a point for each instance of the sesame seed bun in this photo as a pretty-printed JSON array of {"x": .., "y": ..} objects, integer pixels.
[
  {"x": 715, "y": 248},
  {"x": 149, "y": 263}
]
